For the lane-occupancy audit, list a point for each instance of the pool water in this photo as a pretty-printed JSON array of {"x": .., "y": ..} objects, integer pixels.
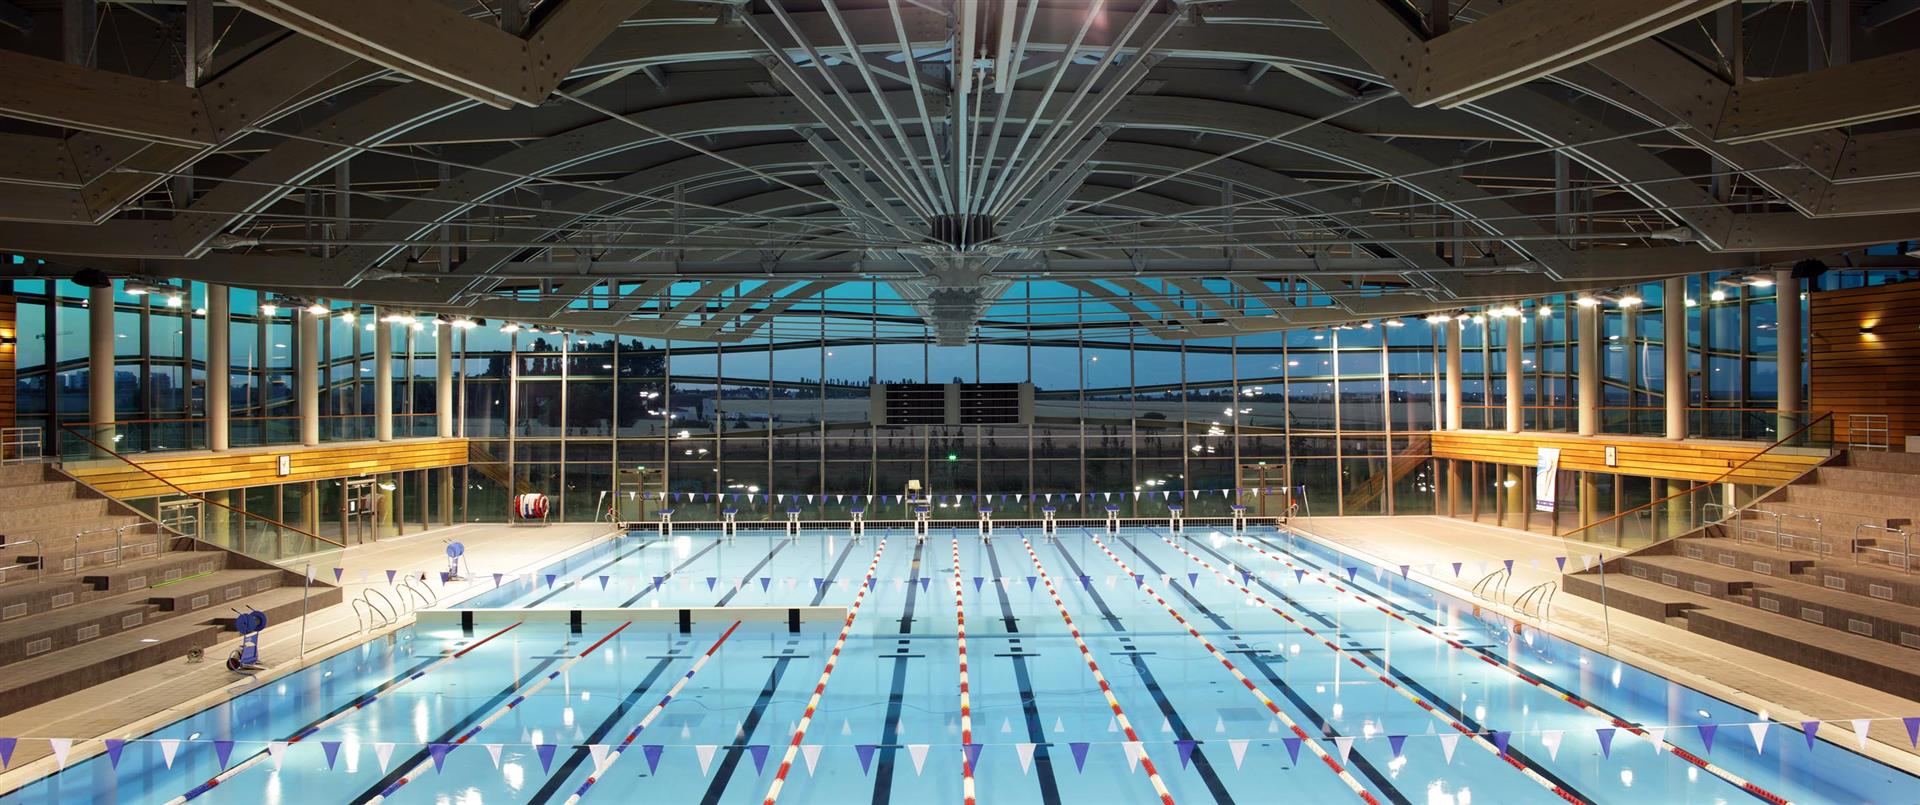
[{"x": 1249, "y": 668}]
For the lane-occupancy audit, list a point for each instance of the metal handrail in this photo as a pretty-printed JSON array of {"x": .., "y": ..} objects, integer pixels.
[
  {"x": 119, "y": 549},
  {"x": 1481, "y": 587},
  {"x": 1542, "y": 594},
  {"x": 407, "y": 583},
  {"x": 391, "y": 615},
  {"x": 1781, "y": 539},
  {"x": 17, "y": 443},
  {"x": 1906, "y": 545},
  {"x": 39, "y": 562}
]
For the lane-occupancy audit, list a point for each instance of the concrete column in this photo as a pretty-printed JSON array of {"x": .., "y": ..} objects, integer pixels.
[
  {"x": 443, "y": 381},
  {"x": 1589, "y": 498},
  {"x": 1515, "y": 374},
  {"x": 219, "y": 525},
  {"x": 1790, "y": 332},
  {"x": 1673, "y": 327},
  {"x": 1590, "y": 345},
  {"x": 1451, "y": 332},
  {"x": 100, "y": 379},
  {"x": 219, "y": 366},
  {"x": 382, "y": 376},
  {"x": 445, "y": 478},
  {"x": 307, "y": 375}
]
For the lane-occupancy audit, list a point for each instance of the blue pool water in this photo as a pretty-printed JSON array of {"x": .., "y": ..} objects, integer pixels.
[{"x": 888, "y": 728}]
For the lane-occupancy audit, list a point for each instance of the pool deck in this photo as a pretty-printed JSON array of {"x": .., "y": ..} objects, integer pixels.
[
  {"x": 1786, "y": 692},
  {"x": 148, "y": 698}
]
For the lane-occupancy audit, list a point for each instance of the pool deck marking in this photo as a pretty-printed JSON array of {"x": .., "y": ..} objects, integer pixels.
[
  {"x": 590, "y": 573},
  {"x": 896, "y": 694},
  {"x": 819, "y": 688},
  {"x": 1339, "y": 770},
  {"x": 385, "y": 784},
  {"x": 735, "y": 588},
  {"x": 654, "y": 585},
  {"x": 1029, "y": 705},
  {"x": 420, "y": 765},
  {"x": 1201, "y": 764},
  {"x": 614, "y": 755},
  {"x": 1476, "y": 737},
  {"x": 1119, "y": 714},
  {"x": 582, "y": 751},
  {"x": 966, "y": 706},
  {"x": 342, "y": 712},
  {"x": 1494, "y": 660}
]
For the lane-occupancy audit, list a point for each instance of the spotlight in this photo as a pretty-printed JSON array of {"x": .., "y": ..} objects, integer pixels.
[
  {"x": 1629, "y": 300},
  {"x": 268, "y": 308},
  {"x": 509, "y": 327},
  {"x": 347, "y": 316},
  {"x": 1718, "y": 295},
  {"x": 317, "y": 309},
  {"x": 1586, "y": 301},
  {"x": 1759, "y": 281},
  {"x": 1394, "y": 323},
  {"x": 1438, "y": 318},
  {"x": 398, "y": 318},
  {"x": 92, "y": 278},
  {"x": 1543, "y": 311}
]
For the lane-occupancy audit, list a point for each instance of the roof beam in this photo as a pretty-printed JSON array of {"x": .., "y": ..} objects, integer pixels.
[
  {"x": 432, "y": 42},
  {"x": 76, "y": 97},
  {"x": 1821, "y": 99}
]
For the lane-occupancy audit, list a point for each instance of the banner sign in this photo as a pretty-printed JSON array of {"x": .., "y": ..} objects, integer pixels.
[{"x": 1546, "y": 479}]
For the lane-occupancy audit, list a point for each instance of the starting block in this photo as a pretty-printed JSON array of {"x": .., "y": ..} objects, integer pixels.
[{"x": 666, "y": 522}]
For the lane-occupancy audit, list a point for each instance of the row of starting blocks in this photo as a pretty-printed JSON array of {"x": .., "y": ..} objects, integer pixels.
[{"x": 923, "y": 521}]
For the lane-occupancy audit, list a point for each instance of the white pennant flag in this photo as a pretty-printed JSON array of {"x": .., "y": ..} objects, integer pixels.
[
  {"x": 1025, "y": 751},
  {"x": 1759, "y": 730},
  {"x": 1658, "y": 735},
  {"x": 384, "y": 753},
  {"x": 1058, "y": 725},
  {"x": 1448, "y": 743},
  {"x": 811, "y": 754},
  {"x": 1860, "y": 727},
  {"x": 352, "y": 750},
  {"x": 168, "y": 748},
  {"x": 845, "y": 728},
  {"x": 599, "y": 753},
  {"x": 61, "y": 746},
  {"x": 1343, "y": 745},
  {"x": 1165, "y": 725},
  {"x": 1113, "y": 724},
  {"x": 1219, "y": 724},
  {"x": 1551, "y": 740},
  {"x": 1239, "y": 748},
  {"x": 1133, "y": 751},
  {"x": 1006, "y": 726},
  {"x": 705, "y": 753},
  {"x": 493, "y": 751},
  {"x": 919, "y": 754},
  {"x": 274, "y": 749}
]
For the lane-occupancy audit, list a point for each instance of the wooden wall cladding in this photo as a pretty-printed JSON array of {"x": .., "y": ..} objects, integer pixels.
[
  {"x": 8, "y": 388},
  {"x": 201, "y": 471},
  {"x": 1652, "y": 458},
  {"x": 1867, "y": 373}
]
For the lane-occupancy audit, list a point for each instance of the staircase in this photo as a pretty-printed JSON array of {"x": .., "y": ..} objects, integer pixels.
[
  {"x": 92, "y": 589},
  {"x": 1806, "y": 575},
  {"x": 1405, "y": 460}
]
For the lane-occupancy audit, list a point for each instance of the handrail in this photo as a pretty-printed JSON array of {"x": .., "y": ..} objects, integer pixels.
[
  {"x": 1481, "y": 587},
  {"x": 39, "y": 563},
  {"x": 1705, "y": 484},
  {"x": 1906, "y": 545},
  {"x": 208, "y": 501},
  {"x": 1542, "y": 594},
  {"x": 393, "y": 612},
  {"x": 407, "y": 583}
]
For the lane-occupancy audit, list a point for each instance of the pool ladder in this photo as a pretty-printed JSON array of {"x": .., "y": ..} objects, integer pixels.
[
  {"x": 1540, "y": 597},
  {"x": 406, "y": 588},
  {"x": 1493, "y": 585}
]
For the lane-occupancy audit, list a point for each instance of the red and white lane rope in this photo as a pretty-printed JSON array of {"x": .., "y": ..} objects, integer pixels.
[
  {"x": 651, "y": 715},
  {"x": 1477, "y": 737},
  {"x": 1305, "y": 739},
  {"x": 820, "y": 687},
  {"x": 1119, "y": 715},
  {"x": 966, "y": 705},
  {"x": 1523, "y": 675},
  {"x": 409, "y": 774},
  {"x": 358, "y": 705}
]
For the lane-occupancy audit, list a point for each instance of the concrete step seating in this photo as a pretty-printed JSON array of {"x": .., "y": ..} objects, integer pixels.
[
  {"x": 1851, "y": 611},
  {"x": 1876, "y": 581}
]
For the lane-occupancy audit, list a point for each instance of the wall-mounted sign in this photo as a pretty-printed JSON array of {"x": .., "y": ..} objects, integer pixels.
[
  {"x": 285, "y": 466},
  {"x": 1613, "y": 456}
]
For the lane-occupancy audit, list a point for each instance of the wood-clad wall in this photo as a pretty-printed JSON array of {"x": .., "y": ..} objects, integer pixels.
[
  {"x": 1867, "y": 373},
  {"x": 201, "y": 471},
  {"x": 9, "y": 332},
  {"x": 1648, "y": 457}
]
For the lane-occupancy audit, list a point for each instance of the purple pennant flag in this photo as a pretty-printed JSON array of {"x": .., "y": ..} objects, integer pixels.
[
  {"x": 1086, "y": 580},
  {"x": 1509, "y": 563},
  {"x": 6, "y": 751},
  {"x": 1913, "y": 729},
  {"x": 652, "y": 753},
  {"x": 1186, "y": 751},
  {"x": 1351, "y": 572},
  {"x": 545, "y": 751},
  {"x": 337, "y": 573},
  {"x": 819, "y": 582},
  {"x": 1192, "y": 579},
  {"x": 1246, "y": 577},
  {"x": 439, "y": 752},
  {"x": 1810, "y": 728},
  {"x": 550, "y": 578},
  {"x": 114, "y": 745},
  {"x": 390, "y": 575},
  {"x": 1293, "y": 748},
  {"x": 332, "y": 750},
  {"x": 765, "y": 582},
  {"x": 1706, "y": 735},
  {"x": 973, "y": 756},
  {"x": 759, "y": 753},
  {"x": 1079, "y": 755},
  {"x": 1562, "y": 562},
  {"x": 710, "y": 582},
  {"x": 497, "y": 577},
  {"x": 924, "y": 581},
  {"x": 1605, "y": 734},
  {"x": 445, "y": 577},
  {"x": 223, "y": 750},
  {"x": 1139, "y": 580},
  {"x": 1299, "y": 575},
  {"x": 604, "y": 580},
  {"x": 1032, "y": 580},
  {"x": 865, "y": 751},
  {"x": 1500, "y": 739},
  {"x": 1395, "y": 742},
  {"x": 977, "y": 582},
  {"x": 1456, "y": 570},
  {"x": 1404, "y": 569},
  {"x": 659, "y": 582}
]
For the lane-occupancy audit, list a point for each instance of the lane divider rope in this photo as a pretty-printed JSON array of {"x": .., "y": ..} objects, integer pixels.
[
  {"x": 1119, "y": 715},
  {"x": 820, "y": 687},
  {"x": 966, "y": 706}
]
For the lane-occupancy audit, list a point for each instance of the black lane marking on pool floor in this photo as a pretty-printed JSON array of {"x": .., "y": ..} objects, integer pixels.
[
  {"x": 1029, "y": 706},
  {"x": 580, "y": 754},
  {"x": 731, "y": 760},
  {"x": 1199, "y": 761},
  {"x": 587, "y": 575},
  {"x": 446, "y": 736},
  {"x": 1260, "y": 662},
  {"x": 747, "y": 579},
  {"x": 653, "y": 585},
  {"x": 1428, "y": 695},
  {"x": 896, "y": 696}
]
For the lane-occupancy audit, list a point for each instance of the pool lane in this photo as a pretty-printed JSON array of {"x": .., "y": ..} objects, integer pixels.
[{"x": 1041, "y": 759}]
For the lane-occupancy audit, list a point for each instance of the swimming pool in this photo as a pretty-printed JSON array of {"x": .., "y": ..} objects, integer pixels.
[{"x": 1135, "y": 667}]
